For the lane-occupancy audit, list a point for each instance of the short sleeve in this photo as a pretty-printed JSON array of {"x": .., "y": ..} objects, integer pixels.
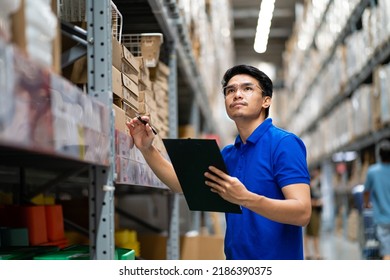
[{"x": 290, "y": 165}]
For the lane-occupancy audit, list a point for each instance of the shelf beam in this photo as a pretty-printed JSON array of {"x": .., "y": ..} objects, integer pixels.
[
  {"x": 77, "y": 34},
  {"x": 54, "y": 182}
]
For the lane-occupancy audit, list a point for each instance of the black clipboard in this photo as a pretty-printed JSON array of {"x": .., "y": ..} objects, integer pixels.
[{"x": 190, "y": 159}]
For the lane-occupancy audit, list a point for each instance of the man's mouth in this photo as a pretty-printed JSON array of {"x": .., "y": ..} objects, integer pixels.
[{"x": 237, "y": 104}]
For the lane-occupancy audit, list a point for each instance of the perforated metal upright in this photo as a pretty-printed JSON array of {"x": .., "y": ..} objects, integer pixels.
[
  {"x": 173, "y": 245},
  {"x": 101, "y": 190}
]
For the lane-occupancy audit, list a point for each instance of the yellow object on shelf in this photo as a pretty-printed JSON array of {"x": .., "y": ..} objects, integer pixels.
[
  {"x": 42, "y": 199},
  {"x": 126, "y": 238},
  {"x": 6, "y": 198}
]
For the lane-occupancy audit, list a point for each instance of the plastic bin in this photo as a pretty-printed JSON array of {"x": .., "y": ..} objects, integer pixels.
[
  {"x": 34, "y": 218},
  {"x": 13, "y": 237},
  {"x": 54, "y": 222}
]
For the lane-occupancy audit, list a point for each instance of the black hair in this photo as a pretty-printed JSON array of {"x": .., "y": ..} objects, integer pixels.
[
  {"x": 384, "y": 151},
  {"x": 265, "y": 82}
]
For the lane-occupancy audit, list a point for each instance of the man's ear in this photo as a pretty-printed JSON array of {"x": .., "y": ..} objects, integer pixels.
[{"x": 267, "y": 101}]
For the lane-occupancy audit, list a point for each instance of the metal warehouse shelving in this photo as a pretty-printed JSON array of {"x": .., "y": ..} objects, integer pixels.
[
  {"x": 40, "y": 169},
  {"x": 36, "y": 170},
  {"x": 379, "y": 56},
  {"x": 340, "y": 173}
]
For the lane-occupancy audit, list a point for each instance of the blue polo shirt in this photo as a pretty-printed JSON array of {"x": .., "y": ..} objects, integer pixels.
[
  {"x": 271, "y": 159},
  {"x": 378, "y": 183}
]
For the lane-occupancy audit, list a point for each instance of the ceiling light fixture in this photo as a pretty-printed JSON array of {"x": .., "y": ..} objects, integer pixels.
[{"x": 263, "y": 25}]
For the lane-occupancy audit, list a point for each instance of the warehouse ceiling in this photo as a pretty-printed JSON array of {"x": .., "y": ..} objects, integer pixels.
[
  {"x": 245, "y": 14},
  {"x": 138, "y": 18}
]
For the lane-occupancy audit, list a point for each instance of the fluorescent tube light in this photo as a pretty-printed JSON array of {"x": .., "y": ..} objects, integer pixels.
[{"x": 264, "y": 25}]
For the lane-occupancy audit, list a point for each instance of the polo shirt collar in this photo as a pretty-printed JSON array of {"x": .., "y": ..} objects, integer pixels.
[{"x": 256, "y": 134}]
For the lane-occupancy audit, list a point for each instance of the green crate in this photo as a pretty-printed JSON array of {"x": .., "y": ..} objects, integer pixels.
[
  {"x": 63, "y": 255},
  {"x": 124, "y": 254},
  {"x": 81, "y": 252},
  {"x": 11, "y": 256},
  {"x": 77, "y": 247},
  {"x": 25, "y": 253}
]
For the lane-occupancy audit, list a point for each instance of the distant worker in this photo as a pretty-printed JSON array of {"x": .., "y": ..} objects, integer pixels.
[
  {"x": 377, "y": 196},
  {"x": 312, "y": 230}
]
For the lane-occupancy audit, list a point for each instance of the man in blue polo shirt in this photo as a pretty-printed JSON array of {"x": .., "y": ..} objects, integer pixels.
[
  {"x": 268, "y": 174},
  {"x": 267, "y": 168}
]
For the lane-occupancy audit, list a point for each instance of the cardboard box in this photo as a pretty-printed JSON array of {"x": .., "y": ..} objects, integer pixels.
[
  {"x": 124, "y": 144},
  {"x": 130, "y": 91},
  {"x": 117, "y": 100},
  {"x": 21, "y": 39},
  {"x": 19, "y": 22},
  {"x": 202, "y": 247},
  {"x": 28, "y": 118},
  {"x": 385, "y": 95},
  {"x": 163, "y": 69},
  {"x": 144, "y": 85},
  {"x": 143, "y": 69},
  {"x": 130, "y": 71},
  {"x": 150, "y": 48},
  {"x": 56, "y": 66},
  {"x": 129, "y": 109},
  {"x": 153, "y": 246},
  {"x": 116, "y": 54},
  {"x": 145, "y": 96},
  {"x": 132, "y": 66},
  {"x": 375, "y": 100},
  {"x": 116, "y": 82},
  {"x": 97, "y": 148},
  {"x": 124, "y": 60},
  {"x": 199, "y": 247},
  {"x": 143, "y": 108},
  {"x": 187, "y": 131},
  {"x": 120, "y": 119}
]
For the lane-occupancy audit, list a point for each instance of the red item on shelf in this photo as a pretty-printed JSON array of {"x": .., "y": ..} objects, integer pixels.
[
  {"x": 34, "y": 218},
  {"x": 54, "y": 222}
]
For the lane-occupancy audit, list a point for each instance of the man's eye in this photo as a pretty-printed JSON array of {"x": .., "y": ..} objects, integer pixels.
[{"x": 230, "y": 90}]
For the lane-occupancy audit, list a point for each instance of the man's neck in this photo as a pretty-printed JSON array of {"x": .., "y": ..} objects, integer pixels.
[{"x": 245, "y": 128}]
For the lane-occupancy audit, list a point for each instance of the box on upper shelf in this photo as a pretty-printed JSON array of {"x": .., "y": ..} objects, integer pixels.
[
  {"x": 125, "y": 61},
  {"x": 36, "y": 31},
  {"x": 120, "y": 119},
  {"x": 150, "y": 48}
]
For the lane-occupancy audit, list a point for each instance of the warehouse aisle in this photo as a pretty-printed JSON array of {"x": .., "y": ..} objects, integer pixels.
[{"x": 338, "y": 247}]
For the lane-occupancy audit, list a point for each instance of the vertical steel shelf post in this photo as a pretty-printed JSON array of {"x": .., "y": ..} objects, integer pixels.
[
  {"x": 173, "y": 244},
  {"x": 101, "y": 190}
]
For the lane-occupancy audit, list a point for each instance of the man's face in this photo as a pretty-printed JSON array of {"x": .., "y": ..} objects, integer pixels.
[{"x": 243, "y": 98}]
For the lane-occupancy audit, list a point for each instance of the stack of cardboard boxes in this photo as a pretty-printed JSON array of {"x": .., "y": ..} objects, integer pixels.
[
  {"x": 137, "y": 90},
  {"x": 160, "y": 116},
  {"x": 125, "y": 70}
]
